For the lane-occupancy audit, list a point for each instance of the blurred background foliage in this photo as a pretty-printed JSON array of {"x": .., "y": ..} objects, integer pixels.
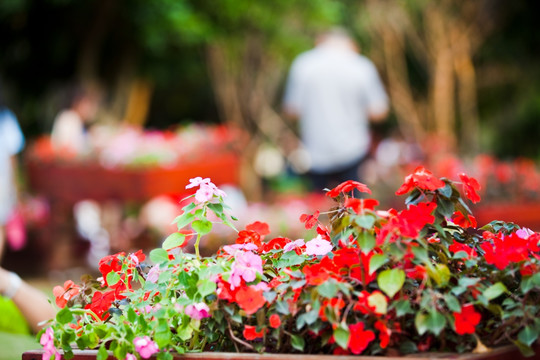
[{"x": 465, "y": 71}]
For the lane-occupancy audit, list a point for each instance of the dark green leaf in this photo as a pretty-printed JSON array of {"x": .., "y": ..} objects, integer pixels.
[
  {"x": 297, "y": 342},
  {"x": 64, "y": 316},
  {"x": 528, "y": 335}
]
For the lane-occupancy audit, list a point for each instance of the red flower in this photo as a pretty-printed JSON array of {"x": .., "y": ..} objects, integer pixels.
[
  {"x": 259, "y": 227},
  {"x": 249, "y": 299},
  {"x": 346, "y": 258},
  {"x": 66, "y": 293},
  {"x": 275, "y": 321},
  {"x": 310, "y": 220},
  {"x": 101, "y": 302},
  {"x": 412, "y": 220},
  {"x": 347, "y": 186},
  {"x": 275, "y": 244},
  {"x": 420, "y": 178},
  {"x": 466, "y": 320},
  {"x": 335, "y": 304},
  {"x": 323, "y": 231},
  {"x": 250, "y": 333},
  {"x": 505, "y": 249},
  {"x": 110, "y": 263},
  {"x": 384, "y": 333},
  {"x": 418, "y": 272},
  {"x": 359, "y": 338},
  {"x": 459, "y": 219},
  {"x": 360, "y": 205},
  {"x": 316, "y": 274},
  {"x": 456, "y": 246},
  {"x": 470, "y": 187},
  {"x": 249, "y": 236}
]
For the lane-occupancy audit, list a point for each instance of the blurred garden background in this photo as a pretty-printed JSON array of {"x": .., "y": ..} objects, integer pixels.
[{"x": 188, "y": 88}]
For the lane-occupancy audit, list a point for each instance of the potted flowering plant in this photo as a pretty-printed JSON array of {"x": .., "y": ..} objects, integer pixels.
[{"x": 371, "y": 282}]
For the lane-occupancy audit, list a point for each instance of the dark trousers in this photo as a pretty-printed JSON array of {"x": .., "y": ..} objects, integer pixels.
[{"x": 329, "y": 180}]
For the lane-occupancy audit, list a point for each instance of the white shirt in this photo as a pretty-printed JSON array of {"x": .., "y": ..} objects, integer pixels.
[
  {"x": 333, "y": 90},
  {"x": 68, "y": 132},
  {"x": 11, "y": 142}
]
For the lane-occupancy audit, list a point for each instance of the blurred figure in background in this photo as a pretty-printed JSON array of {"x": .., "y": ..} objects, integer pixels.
[
  {"x": 69, "y": 132},
  {"x": 335, "y": 92},
  {"x": 11, "y": 143}
]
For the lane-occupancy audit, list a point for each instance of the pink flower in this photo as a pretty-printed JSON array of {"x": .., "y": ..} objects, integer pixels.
[
  {"x": 145, "y": 347},
  {"x": 198, "y": 311},
  {"x": 524, "y": 233},
  {"x": 47, "y": 340},
  {"x": 153, "y": 274},
  {"x": 204, "y": 194},
  {"x": 130, "y": 357},
  {"x": 318, "y": 246},
  {"x": 293, "y": 245},
  {"x": 246, "y": 265},
  {"x": 233, "y": 249},
  {"x": 197, "y": 181},
  {"x": 207, "y": 191}
]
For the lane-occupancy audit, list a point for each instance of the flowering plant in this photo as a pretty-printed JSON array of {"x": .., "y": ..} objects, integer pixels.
[{"x": 370, "y": 282}]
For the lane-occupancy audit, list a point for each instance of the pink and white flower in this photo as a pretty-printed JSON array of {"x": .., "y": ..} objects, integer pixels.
[
  {"x": 293, "y": 245},
  {"x": 197, "y": 181},
  {"x": 145, "y": 347},
  {"x": 318, "y": 246},
  {"x": 47, "y": 340},
  {"x": 198, "y": 311},
  {"x": 245, "y": 266}
]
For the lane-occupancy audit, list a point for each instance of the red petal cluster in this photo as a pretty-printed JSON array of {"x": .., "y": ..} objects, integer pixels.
[{"x": 422, "y": 179}]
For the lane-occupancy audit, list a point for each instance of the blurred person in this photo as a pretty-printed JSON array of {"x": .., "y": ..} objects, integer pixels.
[
  {"x": 11, "y": 143},
  {"x": 69, "y": 132},
  {"x": 31, "y": 305},
  {"x": 335, "y": 92}
]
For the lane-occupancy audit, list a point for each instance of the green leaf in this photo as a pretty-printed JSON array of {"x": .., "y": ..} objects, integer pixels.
[
  {"x": 376, "y": 262},
  {"x": 366, "y": 241},
  {"x": 174, "y": 240},
  {"x": 64, "y": 316},
  {"x": 452, "y": 302},
  {"x": 297, "y": 342},
  {"x": 131, "y": 315},
  {"x": 446, "y": 191},
  {"x": 290, "y": 258},
  {"x": 420, "y": 322},
  {"x": 528, "y": 335},
  {"x": 206, "y": 287},
  {"x": 436, "y": 322},
  {"x": 183, "y": 220},
  {"x": 341, "y": 336},
  {"x": 159, "y": 255},
  {"x": 282, "y": 307},
  {"x": 112, "y": 278},
  {"x": 365, "y": 221},
  {"x": 217, "y": 209},
  {"x": 390, "y": 281},
  {"x": 164, "y": 355},
  {"x": 526, "y": 284},
  {"x": 202, "y": 226},
  {"x": 525, "y": 350},
  {"x": 328, "y": 289},
  {"x": 494, "y": 291},
  {"x": 102, "y": 353},
  {"x": 420, "y": 254},
  {"x": 403, "y": 307},
  {"x": 440, "y": 273}
]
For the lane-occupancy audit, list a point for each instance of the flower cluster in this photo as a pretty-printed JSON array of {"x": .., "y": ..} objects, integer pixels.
[{"x": 371, "y": 281}]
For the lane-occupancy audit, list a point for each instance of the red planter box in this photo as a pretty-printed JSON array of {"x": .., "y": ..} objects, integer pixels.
[
  {"x": 524, "y": 214},
  {"x": 69, "y": 182},
  {"x": 503, "y": 353}
]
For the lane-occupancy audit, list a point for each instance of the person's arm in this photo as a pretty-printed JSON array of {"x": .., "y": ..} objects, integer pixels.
[
  {"x": 32, "y": 303},
  {"x": 377, "y": 99}
]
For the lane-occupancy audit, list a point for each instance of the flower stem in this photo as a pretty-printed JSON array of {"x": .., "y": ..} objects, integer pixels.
[{"x": 197, "y": 246}]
